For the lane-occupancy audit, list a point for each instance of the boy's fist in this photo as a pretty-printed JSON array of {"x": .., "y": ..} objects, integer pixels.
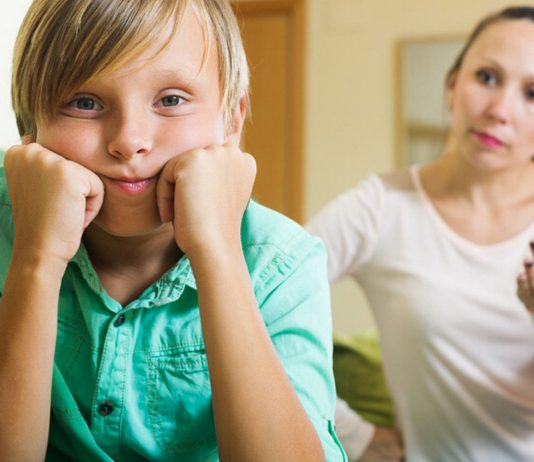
[
  {"x": 204, "y": 192},
  {"x": 53, "y": 200}
]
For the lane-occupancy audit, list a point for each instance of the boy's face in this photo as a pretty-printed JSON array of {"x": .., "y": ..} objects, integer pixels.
[{"x": 125, "y": 126}]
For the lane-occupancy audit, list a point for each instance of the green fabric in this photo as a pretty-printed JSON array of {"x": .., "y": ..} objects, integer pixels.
[
  {"x": 152, "y": 368},
  {"x": 360, "y": 379}
]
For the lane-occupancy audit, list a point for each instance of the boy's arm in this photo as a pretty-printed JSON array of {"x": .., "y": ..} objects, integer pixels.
[
  {"x": 28, "y": 325},
  {"x": 257, "y": 413},
  {"x": 52, "y": 200}
]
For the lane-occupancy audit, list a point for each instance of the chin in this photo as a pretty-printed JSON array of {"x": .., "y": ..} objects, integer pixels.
[
  {"x": 128, "y": 226},
  {"x": 132, "y": 230}
]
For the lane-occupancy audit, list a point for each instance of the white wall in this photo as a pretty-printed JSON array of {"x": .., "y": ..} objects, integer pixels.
[{"x": 11, "y": 14}]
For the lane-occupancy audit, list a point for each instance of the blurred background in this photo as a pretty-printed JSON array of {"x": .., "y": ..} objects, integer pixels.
[{"x": 340, "y": 89}]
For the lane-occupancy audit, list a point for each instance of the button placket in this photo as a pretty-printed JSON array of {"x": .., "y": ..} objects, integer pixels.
[{"x": 110, "y": 385}]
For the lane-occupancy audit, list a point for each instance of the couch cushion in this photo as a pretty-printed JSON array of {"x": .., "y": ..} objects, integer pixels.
[{"x": 360, "y": 379}]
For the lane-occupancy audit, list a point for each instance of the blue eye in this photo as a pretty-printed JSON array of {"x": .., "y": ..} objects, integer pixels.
[
  {"x": 171, "y": 100},
  {"x": 85, "y": 104},
  {"x": 486, "y": 77}
]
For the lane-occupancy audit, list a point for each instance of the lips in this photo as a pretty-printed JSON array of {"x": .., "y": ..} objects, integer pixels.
[
  {"x": 488, "y": 140},
  {"x": 133, "y": 186}
]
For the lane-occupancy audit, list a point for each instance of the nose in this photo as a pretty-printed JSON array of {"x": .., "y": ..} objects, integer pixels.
[
  {"x": 129, "y": 135},
  {"x": 501, "y": 105}
]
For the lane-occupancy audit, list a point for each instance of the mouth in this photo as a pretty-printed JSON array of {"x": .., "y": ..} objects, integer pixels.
[
  {"x": 133, "y": 186},
  {"x": 488, "y": 140}
]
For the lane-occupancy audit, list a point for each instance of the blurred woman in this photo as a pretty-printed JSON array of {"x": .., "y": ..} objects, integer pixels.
[{"x": 436, "y": 249}]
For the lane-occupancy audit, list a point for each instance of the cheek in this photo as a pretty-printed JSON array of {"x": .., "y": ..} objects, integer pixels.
[
  {"x": 529, "y": 139},
  {"x": 465, "y": 107},
  {"x": 193, "y": 134},
  {"x": 73, "y": 143}
]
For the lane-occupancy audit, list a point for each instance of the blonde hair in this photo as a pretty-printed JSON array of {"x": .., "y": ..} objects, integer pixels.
[{"x": 63, "y": 44}]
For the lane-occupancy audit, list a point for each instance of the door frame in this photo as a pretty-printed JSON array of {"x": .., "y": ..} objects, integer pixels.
[{"x": 295, "y": 11}]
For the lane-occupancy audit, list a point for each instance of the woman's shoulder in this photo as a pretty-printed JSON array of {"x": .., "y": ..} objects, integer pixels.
[
  {"x": 371, "y": 196},
  {"x": 400, "y": 180}
]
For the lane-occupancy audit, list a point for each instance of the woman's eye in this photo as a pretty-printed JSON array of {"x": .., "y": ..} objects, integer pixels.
[
  {"x": 486, "y": 77},
  {"x": 529, "y": 93},
  {"x": 171, "y": 100}
]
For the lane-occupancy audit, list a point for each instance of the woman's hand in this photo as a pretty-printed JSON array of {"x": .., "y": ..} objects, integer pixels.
[
  {"x": 53, "y": 200},
  {"x": 386, "y": 446},
  {"x": 525, "y": 282},
  {"x": 204, "y": 192}
]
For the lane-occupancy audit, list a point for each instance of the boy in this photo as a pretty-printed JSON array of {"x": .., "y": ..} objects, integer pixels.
[{"x": 149, "y": 311}]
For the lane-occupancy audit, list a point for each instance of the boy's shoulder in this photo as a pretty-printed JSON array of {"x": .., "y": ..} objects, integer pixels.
[
  {"x": 281, "y": 257},
  {"x": 265, "y": 227}
]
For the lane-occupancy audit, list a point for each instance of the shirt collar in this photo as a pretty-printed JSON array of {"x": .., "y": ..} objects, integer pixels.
[{"x": 166, "y": 289}]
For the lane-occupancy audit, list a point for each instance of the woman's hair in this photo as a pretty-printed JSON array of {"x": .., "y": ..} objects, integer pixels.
[
  {"x": 63, "y": 44},
  {"x": 514, "y": 12}
]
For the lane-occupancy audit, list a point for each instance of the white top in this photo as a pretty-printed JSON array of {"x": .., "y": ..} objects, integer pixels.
[{"x": 458, "y": 345}]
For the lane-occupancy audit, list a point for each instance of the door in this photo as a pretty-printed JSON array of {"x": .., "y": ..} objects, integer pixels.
[{"x": 273, "y": 34}]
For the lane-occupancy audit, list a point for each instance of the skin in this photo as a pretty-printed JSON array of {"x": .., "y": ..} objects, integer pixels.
[
  {"x": 482, "y": 184},
  {"x": 158, "y": 120}
]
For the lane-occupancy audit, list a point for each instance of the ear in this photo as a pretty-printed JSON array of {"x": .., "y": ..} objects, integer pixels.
[{"x": 238, "y": 119}]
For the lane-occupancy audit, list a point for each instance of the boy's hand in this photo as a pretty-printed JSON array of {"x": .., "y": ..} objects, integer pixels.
[
  {"x": 204, "y": 192},
  {"x": 53, "y": 200}
]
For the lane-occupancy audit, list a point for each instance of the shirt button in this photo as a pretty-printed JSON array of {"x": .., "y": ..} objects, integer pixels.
[
  {"x": 105, "y": 409},
  {"x": 120, "y": 319}
]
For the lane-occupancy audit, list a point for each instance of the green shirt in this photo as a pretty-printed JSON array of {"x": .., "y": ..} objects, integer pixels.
[{"x": 131, "y": 383}]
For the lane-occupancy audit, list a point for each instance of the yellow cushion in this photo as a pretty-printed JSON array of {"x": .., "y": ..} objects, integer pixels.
[{"x": 360, "y": 379}]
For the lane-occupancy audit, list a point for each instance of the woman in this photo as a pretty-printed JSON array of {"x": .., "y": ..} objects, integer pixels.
[{"x": 436, "y": 249}]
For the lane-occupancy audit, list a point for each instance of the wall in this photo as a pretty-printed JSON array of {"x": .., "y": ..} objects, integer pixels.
[
  {"x": 351, "y": 95},
  {"x": 11, "y": 14},
  {"x": 351, "y": 98}
]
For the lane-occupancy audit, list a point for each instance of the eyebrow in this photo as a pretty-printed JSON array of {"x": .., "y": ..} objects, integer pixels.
[{"x": 183, "y": 76}]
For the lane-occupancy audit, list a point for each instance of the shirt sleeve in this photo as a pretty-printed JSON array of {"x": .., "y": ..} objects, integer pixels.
[
  {"x": 349, "y": 227},
  {"x": 293, "y": 295}
]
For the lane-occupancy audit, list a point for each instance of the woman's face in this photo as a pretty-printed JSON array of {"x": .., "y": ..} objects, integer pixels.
[{"x": 492, "y": 97}]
